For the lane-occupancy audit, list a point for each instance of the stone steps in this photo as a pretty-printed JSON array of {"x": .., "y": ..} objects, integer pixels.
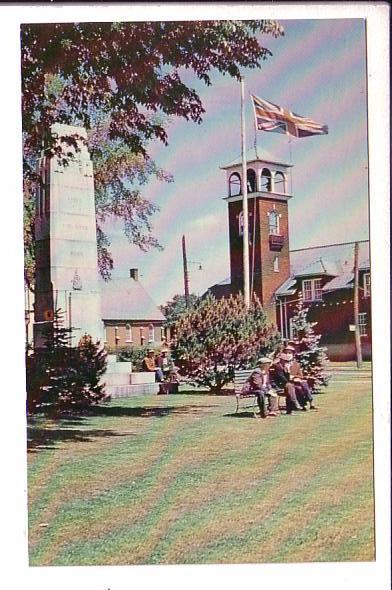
[{"x": 118, "y": 391}]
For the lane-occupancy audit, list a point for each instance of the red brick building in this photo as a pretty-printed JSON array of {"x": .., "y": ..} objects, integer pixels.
[
  {"x": 130, "y": 316},
  {"x": 322, "y": 274}
]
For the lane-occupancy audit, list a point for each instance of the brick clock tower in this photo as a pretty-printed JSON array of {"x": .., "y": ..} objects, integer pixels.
[{"x": 268, "y": 196}]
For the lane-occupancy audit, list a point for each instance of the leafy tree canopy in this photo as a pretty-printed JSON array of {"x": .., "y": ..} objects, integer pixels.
[
  {"x": 174, "y": 309},
  {"x": 122, "y": 80}
]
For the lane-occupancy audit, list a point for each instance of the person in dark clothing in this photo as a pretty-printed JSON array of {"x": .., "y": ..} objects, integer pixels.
[
  {"x": 280, "y": 377},
  {"x": 258, "y": 383},
  {"x": 302, "y": 388}
]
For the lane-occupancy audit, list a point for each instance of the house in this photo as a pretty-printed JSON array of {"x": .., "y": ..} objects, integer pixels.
[
  {"x": 129, "y": 315},
  {"x": 322, "y": 275}
]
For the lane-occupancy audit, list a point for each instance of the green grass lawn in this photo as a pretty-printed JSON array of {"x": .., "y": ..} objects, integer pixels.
[{"x": 181, "y": 479}]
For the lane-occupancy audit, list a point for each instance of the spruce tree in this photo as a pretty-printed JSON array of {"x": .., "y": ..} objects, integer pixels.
[
  {"x": 311, "y": 356},
  {"x": 61, "y": 377}
]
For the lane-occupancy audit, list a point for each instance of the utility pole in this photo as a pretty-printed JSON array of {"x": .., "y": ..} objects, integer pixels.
[
  {"x": 244, "y": 201},
  {"x": 358, "y": 347},
  {"x": 186, "y": 274}
]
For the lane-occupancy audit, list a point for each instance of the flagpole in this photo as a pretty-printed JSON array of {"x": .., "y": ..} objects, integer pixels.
[{"x": 244, "y": 200}]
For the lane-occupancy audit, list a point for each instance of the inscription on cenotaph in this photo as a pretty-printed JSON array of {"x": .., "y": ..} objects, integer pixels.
[{"x": 66, "y": 243}]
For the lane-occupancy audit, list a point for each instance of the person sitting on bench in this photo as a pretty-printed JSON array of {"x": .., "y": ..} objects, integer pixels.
[
  {"x": 280, "y": 377},
  {"x": 163, "y": 362},
  {"x": 302, "y": 389},
  {"x": 150, "y": 366},
  {"x": 258, "y": 383}
]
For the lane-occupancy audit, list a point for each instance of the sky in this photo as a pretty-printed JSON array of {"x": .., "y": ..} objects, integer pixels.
[{"x": 318, "y": 70}]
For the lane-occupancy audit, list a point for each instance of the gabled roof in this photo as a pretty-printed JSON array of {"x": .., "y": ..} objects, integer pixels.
[
  {"x": 344, "y": 281},
  {"x": 335, "y": 258},
  {"x": 127, "y": 299},
  {"x": 256, "y": 155},
  {"x": 319, "y": 267}
]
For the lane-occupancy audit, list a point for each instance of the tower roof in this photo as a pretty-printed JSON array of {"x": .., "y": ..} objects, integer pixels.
[{"x": 254, "y": 154}]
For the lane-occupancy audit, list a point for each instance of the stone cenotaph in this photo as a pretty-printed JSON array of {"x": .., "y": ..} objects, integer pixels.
[{"x": 66, "y": 242}]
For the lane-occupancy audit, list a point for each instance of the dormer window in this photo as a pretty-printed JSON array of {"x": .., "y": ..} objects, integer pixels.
[
  {"x": 266, "y": 183},
  {"x": 251, "y": 180},
  {"x": 273, "y": 223},
  {"x": 279, "y": 183},
  {"x": 234, "y": 185},
  {"x": 312, "y": 290}
]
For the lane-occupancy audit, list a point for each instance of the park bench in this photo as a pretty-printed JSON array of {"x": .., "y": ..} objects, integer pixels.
[{"x": 240, "y": 378}]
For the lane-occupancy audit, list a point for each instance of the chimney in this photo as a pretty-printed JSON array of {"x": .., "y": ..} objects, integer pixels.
[{"x": 134, "y": 274}]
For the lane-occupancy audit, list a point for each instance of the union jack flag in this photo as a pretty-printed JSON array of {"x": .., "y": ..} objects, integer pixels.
[{"x": 270, "y": 117}]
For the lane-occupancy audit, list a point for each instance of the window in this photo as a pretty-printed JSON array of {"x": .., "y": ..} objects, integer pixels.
[
  {"x": 151, "y": 333},
  {"x": 279, "y": 182},
  {"x": 366, "y": 284},
  {"x": 276, "y": 264},
  {"x": 251, "y": 180},
  {"x": 362, "y": 324},
  {"x": 273, "y": 223},
  {"x": 266, "y": 180},
  {"x": 311, "y": 290},
  {"x": 128, "y": 330},
  {"x": 142, "y": 336},
  {"x": 234, "y": 185}
]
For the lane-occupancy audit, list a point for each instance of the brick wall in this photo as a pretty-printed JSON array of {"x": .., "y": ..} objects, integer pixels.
[
  {"x": 265, "y": 279},
  {"x": 137, "y": 329}
]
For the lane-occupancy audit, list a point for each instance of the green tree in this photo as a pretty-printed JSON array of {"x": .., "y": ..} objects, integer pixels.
[
  {"x": 123, "y": 79},
  {"x": 174, "y": 309},
  {"x": 218, "y": 336},
  {"x": 60, "y": 377},
  {"x": 311, "y": 356}
]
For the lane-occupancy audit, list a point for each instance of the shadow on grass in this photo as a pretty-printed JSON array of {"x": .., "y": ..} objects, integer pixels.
[
  {"x": 46, "y": 438},
  {"x": 40, "y": 437},
  {"x": 147, "y": 411},
  {"x": 240, "y": 415}
]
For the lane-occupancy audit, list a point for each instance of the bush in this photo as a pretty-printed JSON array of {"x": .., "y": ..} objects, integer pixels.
[
  {"x": 60, "y": 377},
  {"x": 135, "y": 354}
]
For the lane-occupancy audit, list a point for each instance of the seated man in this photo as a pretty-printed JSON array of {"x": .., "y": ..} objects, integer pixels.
[
  {"x": 150, "y": 366},
  {"x": 302, "y": 389},
  {"x": 280, "y": 377},
  {"x": 258, "y": 383}
]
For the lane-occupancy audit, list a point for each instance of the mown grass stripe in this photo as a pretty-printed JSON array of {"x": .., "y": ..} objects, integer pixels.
[
  {"x": 144, "y": 523},
  {"x": 237, "y": 548}
]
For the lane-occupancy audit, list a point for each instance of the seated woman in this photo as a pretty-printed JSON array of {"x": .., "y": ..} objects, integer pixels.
[{"x": 258, "y": 383}]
